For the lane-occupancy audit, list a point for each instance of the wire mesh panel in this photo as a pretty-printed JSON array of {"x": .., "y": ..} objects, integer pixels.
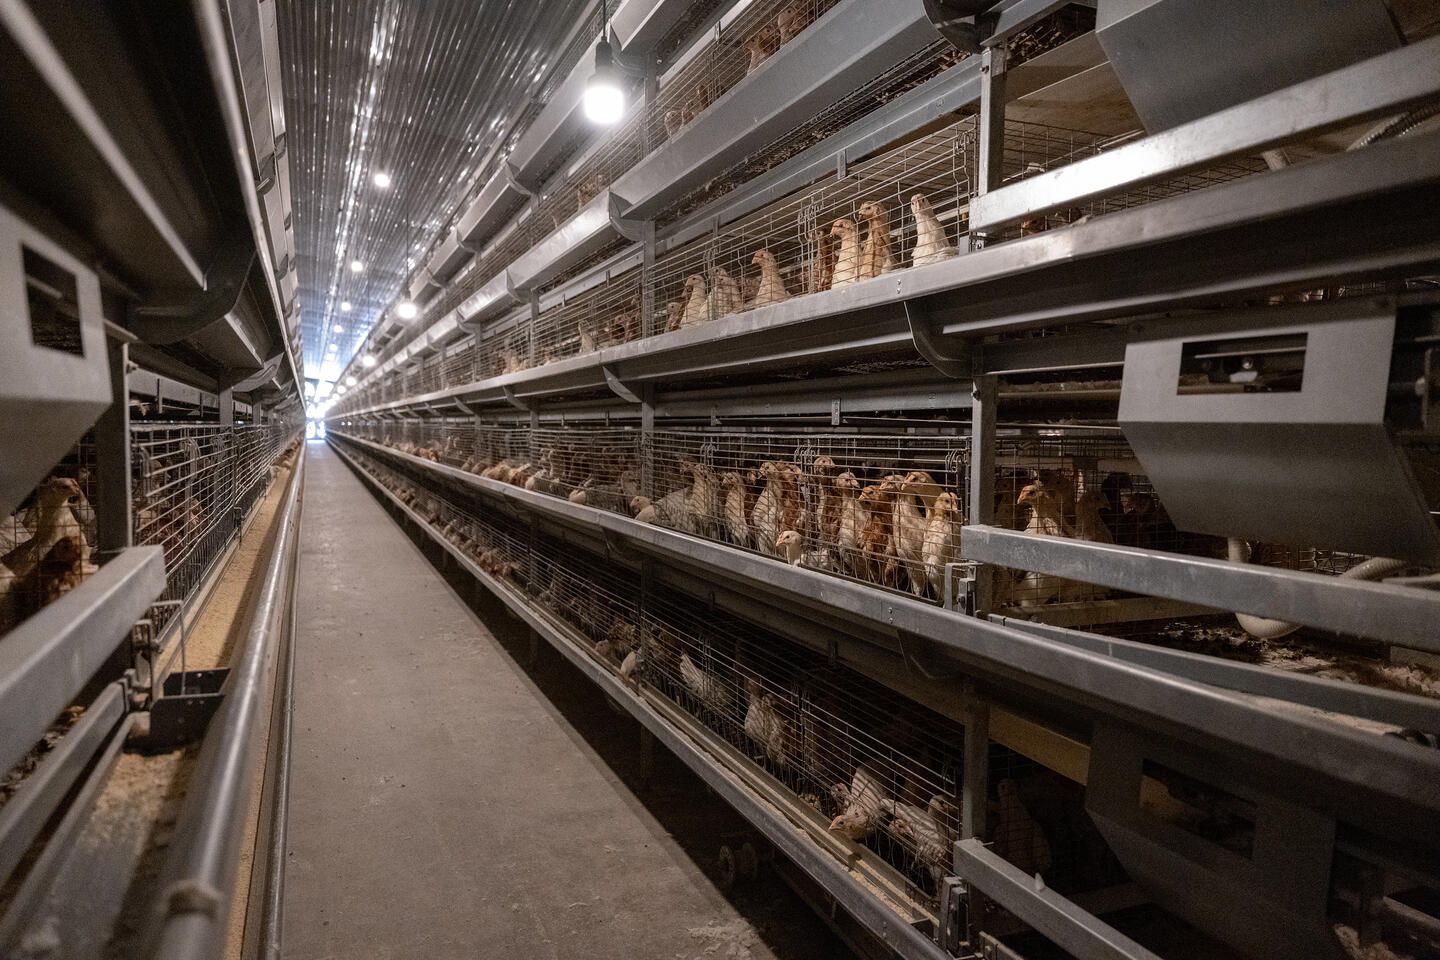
[
  {"x": 191, "y": 487},
  {"x": 48, "y": 545},
  {"x": 603, "y": 315},
  {"x": 905, "y": 206}
]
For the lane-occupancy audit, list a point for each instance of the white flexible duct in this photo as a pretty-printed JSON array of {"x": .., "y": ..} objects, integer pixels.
[{"x": 1262, "y": 628}]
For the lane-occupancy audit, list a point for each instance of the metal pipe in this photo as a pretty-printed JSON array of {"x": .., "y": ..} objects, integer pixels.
[
  {"x": 190, "y": 917},
  {"x": 1264, "y": 628}
]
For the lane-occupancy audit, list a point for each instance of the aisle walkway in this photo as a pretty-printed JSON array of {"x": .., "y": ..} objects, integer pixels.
[{"x": 441, "y": 806}]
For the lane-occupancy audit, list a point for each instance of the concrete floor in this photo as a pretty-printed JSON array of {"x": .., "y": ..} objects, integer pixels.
[{"x": 448, "y": 803}]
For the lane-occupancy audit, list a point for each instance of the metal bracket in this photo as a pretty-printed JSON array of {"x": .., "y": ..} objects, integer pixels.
[
  {"x": 169, "y": 323},
  {"x": 618, "y": 387},
  {"x": 181, "y": 715},
  {"x": 513, "y": 400},
  {"x": 954, "y": 918},
  {"x": 928, "y": 346}
]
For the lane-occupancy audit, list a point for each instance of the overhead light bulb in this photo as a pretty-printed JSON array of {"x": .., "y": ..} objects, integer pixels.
[
  {"x": 356, "y": 266},
  {"x": 604, "y": 98},
  {"x": 344, "y": 306},
  {"x": 406, "y": 310},
  {"x": 382, "y": 179},
  {"x": 368, "y": 360},
  {"x": 338, "y": 328},
  {"x": 340, "y": 389},
  {"x": 350, "y": 381}
]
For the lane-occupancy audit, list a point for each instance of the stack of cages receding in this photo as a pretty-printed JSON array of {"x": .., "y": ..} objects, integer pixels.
[
  {"x": 49, "y": 545},
  {"x": 880, "y": 771}
]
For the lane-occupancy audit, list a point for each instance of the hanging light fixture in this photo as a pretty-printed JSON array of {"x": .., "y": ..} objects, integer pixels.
[
  {"x": 368, "y": 361},
  {"x": 406, "y": 310},
  {"x": 604, "y": 97}
]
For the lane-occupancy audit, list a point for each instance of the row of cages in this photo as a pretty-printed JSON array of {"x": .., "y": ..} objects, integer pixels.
[
  {"x": 807, "y": 261},
  {"x": 190, "y": 487},
  {"x": 887, "y": 509},
  {"x": 876, "y": 769},
  {"x": 868, "y": 765},
  {"x": 905, "y": 207}
]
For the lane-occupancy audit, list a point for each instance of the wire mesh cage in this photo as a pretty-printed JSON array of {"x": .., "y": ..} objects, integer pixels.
[
  {"x": 905, "y": 206},
  {"x": 48, "y": 546},
  {"x": 602, "y": 315},
  {"x": 191, "y": 487}
]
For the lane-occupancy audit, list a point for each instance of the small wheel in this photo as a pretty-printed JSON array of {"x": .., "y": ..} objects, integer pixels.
[
  {"x": 748, "y": 862},
  {"x": 728, "y": 871}
]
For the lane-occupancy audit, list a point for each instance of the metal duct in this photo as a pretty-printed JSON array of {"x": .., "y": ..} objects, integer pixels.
[{"x": 1179, "y": 60}]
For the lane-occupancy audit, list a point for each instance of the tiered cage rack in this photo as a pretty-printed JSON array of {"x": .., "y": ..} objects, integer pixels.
[{"x": 588, "y": 422}]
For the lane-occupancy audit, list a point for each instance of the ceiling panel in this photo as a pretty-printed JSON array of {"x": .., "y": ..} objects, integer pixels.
[{"x": 418, "y": 89}]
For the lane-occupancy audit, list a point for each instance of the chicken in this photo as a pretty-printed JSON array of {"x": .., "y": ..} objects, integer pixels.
[
  {"x": 930, "y": 832},
  {"x": 820, "y": 264},
  {"x": 772, "y": 286},
  {"x": 931, "y": 244},
  {"x": 765, "y": 515},
  {"x": 1017, "y": 837},
  {"x": 849, "y": 261},
  {"x": 762, "y": 43},
  {"x": 725, "y": 296},
  {"x": 863, "y": 806},
  {"x": 674, "y": 311},
  {"x": 791, "y": 546},
  {"x": 910, "y": 530},
  {"x": 875, "y": 254},
  {"x": 1089, "y": 517},
  {"x": 852, "y": 516},
  {"x": 705, "y": 500},
  {"x": 942, "y": 541},
  {"x": 877, "y": 535},
  {"x": 1046, "y": 519},
  {"x": 671, "y": 510},
  {"x": 763, "y": 723},
  {"x": 587, "y": 190},
  {"x": 53, "y": 521},
  {"x": 695, "y": 104},
  {"x": 697, "y": 302},
  {"x": 708, "y": 689},
  {"x": 793, "y": 19},
  {"x": 736, "y": 521},
  {"x": 673, "y": 123}
]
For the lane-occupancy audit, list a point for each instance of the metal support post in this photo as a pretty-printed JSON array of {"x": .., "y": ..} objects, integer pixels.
[
  {"x": 647, "y": 440},
  {"x": 974, "y": 795},
  {"x": 982, "y": 477},
  {"x": 227, "y": 406},
  {"x": 114, "y": 527},
  {"x": 992, "y": 122},
  {"x": 648, "y": 325},
  {"x": 534, "y": 326}
]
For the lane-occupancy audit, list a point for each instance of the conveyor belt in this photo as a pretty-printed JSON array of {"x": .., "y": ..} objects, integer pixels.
[{"x": 442, "y": 805}]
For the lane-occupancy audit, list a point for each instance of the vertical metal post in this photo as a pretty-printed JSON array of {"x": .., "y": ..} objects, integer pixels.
[
  {"x": 227, "y": 406},
  {"x": 974, "y": 791},
  {"x": 991, "y": 166},
  {"x": 992, "y": 118},
  {"x": 647, "y": 439},
  {"x": 648, "y": 325},
  {"x": 982, "y": 477},
  {"x": 114, "y": 527},
  {"x": 975, "y": 788},
  {"x": 534, "y": 326}
]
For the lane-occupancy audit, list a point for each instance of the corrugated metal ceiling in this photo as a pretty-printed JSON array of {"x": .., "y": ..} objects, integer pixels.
[{"x": 418, "y": 89}]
